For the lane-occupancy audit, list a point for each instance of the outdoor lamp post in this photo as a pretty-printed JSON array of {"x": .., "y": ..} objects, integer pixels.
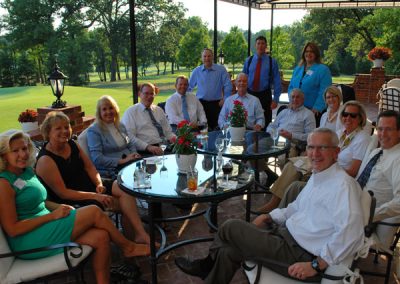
[
  {"x": 221, "y": 57},
  {"x": 57, "y": 82}
]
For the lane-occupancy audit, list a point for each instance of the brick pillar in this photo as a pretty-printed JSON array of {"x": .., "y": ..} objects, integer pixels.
[
  {"x": 77, "y": 118},
  {"x": 366, "y": 86}
]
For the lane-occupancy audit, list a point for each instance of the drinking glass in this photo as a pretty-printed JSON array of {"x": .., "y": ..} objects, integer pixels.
[
  {"x": 227, "y": 169},
  {"x": 163, "y": 146},
  {"x": 192, "y": 180},
  {"x": 274, "y": 134},
  {"x": 219, "y": 144}
]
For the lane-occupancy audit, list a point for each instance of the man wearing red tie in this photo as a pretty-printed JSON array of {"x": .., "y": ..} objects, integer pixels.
[{"x": 263, "y": 72}]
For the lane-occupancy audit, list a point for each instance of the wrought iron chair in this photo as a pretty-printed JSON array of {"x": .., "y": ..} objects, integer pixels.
[
  {"x": 389, "y": 98},
  {"x": 14, "y": 270}
]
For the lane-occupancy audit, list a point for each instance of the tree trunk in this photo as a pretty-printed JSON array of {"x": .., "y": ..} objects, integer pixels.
[
  {"x": 158, "y": 68},
  {"x": 172, "y": 67},
  {"x": 165, "y": 67},
  {"x": 118, "y": 72},
  {"x": 113, "y": 67},
  {"x": 126, "y": 70}
]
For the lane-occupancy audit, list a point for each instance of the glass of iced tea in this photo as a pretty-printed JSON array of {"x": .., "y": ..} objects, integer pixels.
[{"x": 192, "y": 180}]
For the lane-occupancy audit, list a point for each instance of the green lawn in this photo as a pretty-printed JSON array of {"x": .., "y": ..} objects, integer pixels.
[{"x": 16, "y": 99}]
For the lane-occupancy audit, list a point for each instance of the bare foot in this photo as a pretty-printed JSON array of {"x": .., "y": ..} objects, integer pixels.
[
  {"x": 135, "y": 249},
  {"x": 145, "y": 240}
]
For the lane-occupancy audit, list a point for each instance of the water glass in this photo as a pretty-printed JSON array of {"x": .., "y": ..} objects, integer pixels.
[{"x": 192, "y": 177}]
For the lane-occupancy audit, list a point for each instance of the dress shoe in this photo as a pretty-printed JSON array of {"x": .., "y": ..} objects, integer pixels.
[
  {"x": 272, "y": 177},
  {"x": 199, "y": 267}
]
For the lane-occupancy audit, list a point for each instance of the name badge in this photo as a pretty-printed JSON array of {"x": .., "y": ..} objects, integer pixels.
[
  {"x": 19, "y": 183},
  {"x": 309, "y": 72}
]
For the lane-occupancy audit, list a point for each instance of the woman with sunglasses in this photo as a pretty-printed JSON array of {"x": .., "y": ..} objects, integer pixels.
[
  {"x": 109, "y": 146},
  {"x": 353, "y": 145}
]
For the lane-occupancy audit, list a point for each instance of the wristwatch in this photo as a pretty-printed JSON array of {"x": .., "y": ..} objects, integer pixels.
[{"x": 315, "y": 265}]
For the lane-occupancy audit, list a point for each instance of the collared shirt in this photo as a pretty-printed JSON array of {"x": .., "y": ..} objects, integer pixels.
[
  {"x": 314, "y": 83},
  {"x": 173, "y": 109},
  {"x": 210, "y": 82},
  {"x": 384, "y": 182},
  {"x": 355, "y": 150},
  {"x": 300, "y": 122},
  {"x": 140, "y": 128},
  {"x": 264, "y": 75},
  {"x": 251, "y": 103},
  {"x": 326, "y": 219}
]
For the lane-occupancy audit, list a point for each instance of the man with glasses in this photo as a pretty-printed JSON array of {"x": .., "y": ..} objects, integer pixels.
[
  {"x": 146, "y": 123},
  {"x": 213, "y": 85},
  {"x": 322, "y": 227},
  {"x": 380, "y": 172}
]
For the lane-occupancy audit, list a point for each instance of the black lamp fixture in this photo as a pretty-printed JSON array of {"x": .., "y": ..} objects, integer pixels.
[
  {"x": 57, "y": 82},
  {"x": 221, "y": 57}
]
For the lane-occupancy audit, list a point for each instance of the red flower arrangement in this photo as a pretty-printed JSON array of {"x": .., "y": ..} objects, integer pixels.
[
  {"x": 185, "y": 142},
  {"x": 238, "y": 115},
  {"x": 29, "y": 115},
  {"x": 378, "y": 52}
]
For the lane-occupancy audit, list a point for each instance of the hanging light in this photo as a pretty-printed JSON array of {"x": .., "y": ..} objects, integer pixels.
[
  {"x": 221, "y": 57},
  {"x": 57, "y": 83}
]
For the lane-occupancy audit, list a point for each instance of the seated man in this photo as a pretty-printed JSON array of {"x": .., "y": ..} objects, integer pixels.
[
  {"x": 322, "y": 227},
  {"x": 146, "y": 123},
  {"x": 294, "y": 123},
  {"x": 183, "y": 106},
  {"x": 255, "y": 112}
]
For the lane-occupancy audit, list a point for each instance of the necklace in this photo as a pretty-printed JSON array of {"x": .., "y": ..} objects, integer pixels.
[{"x": 332, "y": 116}]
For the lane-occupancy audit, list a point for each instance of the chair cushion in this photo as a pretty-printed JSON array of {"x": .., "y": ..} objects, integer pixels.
[
  {"x": 82, "y": 141},
  {"x": 5, "y": 263},
  {"x": 25, "y": 270}
]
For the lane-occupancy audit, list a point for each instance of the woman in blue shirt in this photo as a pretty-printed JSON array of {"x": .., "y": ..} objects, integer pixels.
[
  {"x": 108, "y": 143},
  {"x": 312, "y": 77}
]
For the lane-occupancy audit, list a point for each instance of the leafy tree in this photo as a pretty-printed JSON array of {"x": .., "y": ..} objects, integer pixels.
[
  {"x": 283, "y": 50},
  {"x": 191, "y": 46},
  {"x": 235, "y": 47},
  {"x": 25, "y": 69}
]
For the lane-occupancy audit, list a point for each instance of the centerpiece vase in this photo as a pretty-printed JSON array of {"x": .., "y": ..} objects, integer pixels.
[
  {"x": 185, "y": 163},
  {"x": 237, "y": 133},
  {"x": 29, "y": 126},
  {"x": 378, "y": 63}
]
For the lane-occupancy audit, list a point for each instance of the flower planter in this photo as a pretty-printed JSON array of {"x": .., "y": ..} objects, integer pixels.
[
  {"x": 378, "y": 63},
  {"x": 237, "y": 133},
  {"x": 29, "y": 126},
  {"x": 185, "y": 162}
]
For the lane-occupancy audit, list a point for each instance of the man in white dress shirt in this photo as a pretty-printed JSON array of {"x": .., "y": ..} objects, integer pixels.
[
  {"x": 138, "y": 120},
  {"x": 174, "y": 107},
  {"x": 322, "y": 227}
]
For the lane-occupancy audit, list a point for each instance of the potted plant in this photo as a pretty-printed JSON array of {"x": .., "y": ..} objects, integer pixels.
[
  {"x": 185, "y": 147},
  {"x": 237, "y": 120},
  {"x": 28, "y": 120},
  {"x": 378, "y": 55}
]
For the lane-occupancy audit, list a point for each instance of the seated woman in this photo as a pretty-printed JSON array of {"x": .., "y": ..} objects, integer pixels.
[
  {"x": 70, "y": 177},
  {"x": 109, "y": 145},
  {"x": 333, "y": 99},
  {"x": 353, "y": 144},
  {"x": 30, "y": 221}
]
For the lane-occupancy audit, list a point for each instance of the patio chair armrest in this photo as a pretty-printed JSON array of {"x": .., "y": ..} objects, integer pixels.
[{"x": 52, "y": 247}]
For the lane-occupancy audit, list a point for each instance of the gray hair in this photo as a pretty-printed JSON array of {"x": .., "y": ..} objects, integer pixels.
[
  {"x": 361, "y": 111},
  {"x": 333, "y": 136},
  {"x": 297, "y": 90}
]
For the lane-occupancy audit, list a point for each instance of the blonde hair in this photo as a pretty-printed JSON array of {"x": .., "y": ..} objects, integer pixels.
[
  {"x": 334, "y": 91},
  {"x": 107, "y": 100},
  {"x": 361, "y": 111},
  {"x": 51, "y": 118},
  {"x": 5, "y": 140}
]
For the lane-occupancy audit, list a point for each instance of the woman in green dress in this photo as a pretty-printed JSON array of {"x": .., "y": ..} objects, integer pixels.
[{"x": 30, "y": 221}]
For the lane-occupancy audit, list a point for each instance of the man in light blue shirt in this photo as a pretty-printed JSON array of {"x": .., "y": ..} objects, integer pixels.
[
  {"x": 263, "y": 72},
  {"x": 255, "y": 118},
  {"x": 295, "y": 122},
  {"x": 213, "y": 85}
]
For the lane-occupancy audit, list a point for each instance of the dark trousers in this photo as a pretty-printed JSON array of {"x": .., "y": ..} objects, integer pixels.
[
  {"x": 237, "y": 240},
  {"x": 212, "y": 110},
  {"x": 265, "y": 98}
]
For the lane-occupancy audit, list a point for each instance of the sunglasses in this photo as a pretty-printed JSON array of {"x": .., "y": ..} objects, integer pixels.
[{"x": 351, "y": 114}]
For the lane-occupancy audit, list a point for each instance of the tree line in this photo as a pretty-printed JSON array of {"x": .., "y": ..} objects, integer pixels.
[{"x": 93, "y": 36}]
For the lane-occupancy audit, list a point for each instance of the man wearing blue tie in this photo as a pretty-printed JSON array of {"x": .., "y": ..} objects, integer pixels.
[{"x": 184, "y": 106}]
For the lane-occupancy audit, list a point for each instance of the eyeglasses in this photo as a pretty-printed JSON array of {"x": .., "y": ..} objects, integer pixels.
[
  {"x": 321, "y": 148},
  {"x": 351, "y": 114}
]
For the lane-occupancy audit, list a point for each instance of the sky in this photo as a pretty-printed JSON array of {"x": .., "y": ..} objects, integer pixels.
[{"x": 230, "y": 15}]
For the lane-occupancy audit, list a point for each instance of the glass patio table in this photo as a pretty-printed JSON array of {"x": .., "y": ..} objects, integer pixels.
[{"x": 169, "y": 186}]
